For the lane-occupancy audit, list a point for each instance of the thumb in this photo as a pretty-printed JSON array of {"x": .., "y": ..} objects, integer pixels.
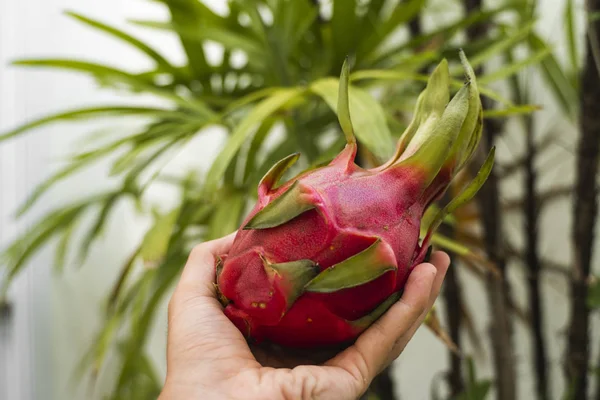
[
  {"x": 195, "y": 315},
  {"x": 195, "y": 296},
  {"x": 201, "y": 340},
  {"x": 198, "y": 274}
]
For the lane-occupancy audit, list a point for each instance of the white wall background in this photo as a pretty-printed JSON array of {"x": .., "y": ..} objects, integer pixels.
[{"x": 55, "y": 316}]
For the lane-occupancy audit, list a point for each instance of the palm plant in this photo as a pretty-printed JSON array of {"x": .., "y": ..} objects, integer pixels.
[{"x": 273, "y": 92}]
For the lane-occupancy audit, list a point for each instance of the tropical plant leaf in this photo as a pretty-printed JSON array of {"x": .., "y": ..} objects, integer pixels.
[
  {"x": 62, "y": 248},
  {"x": 466, "y": 194},
  {"x": 572, "y": 47},
  {"x": 511, "y": 111},
  {"x": 343, "y": 104},
  {"x": 115, "y": 299},
  {"x": 251, "y": 8},
  {"x": 227, "y": 216},
  {"x": 43, "y": 187},
  {"x": 82, "y": 160},
  {"x": 512, "y": 69},
  {"x": 392, "y": 75},
  {"x": 162, "y": 279},
  {"x": 186, "y": 14},
  {"x": 112, "y": 75},
  {"x": 593, "y": 16},
  {"x": 165, "y": 133},
  {"x": 198, "y": 33},
  {"x": 104, "y": 340},
  {"x": 284, "y": 149},
  {"x": 302, "y": 15},
  {"x": 289, "y": 56},
  {"x": 476, "y": 389},
  {"x": 129, "y": 182},
  {"x": 330, "y": 153},
  {"x": 129, "y": 158},
  {"x": 156, "y": 241},
  {"x": 432, "y": 322},
  {"x": 344, "y": 29},
  {"x": 499, "y": 46},
  {"x": 97, "y": 227},
  {"x": 443, "y": 34},
  {"x": 463, "y": 251},
  {"x": 249, "y": 98},
  {"x": 413, "y": 62},
  {"x": 368, "y": 118},
  {"x": 593, "y": 299},
  {"x": 257, "y": 141},
  {"x": 261, "y": 111},
  {"x": 98, "y": 70},
  {"x": 556, "y": 78},
  {"x": 401, "y": 14},
  {"x": 161, "y": 62},
  {"x": 87, "y": 113},
  {"x": 20, "y": 251}
]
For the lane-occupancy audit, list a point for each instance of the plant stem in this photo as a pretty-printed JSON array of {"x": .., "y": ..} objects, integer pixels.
[
  {"x": 598, "y": 378},
  {"x": 498, "y": 289},
  {"x": 584, "y": 214},
  {"x": 452, "y": 298},
  {"x": 534, "y": 264},
  {"x": 531, "y": 211}
]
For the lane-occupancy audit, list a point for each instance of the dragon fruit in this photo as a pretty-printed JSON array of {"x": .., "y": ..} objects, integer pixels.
[{"x": 323, "y": 255}]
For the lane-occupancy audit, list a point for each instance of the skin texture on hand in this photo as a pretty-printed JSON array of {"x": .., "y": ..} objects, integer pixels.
[{"x": 208, "y": 358}]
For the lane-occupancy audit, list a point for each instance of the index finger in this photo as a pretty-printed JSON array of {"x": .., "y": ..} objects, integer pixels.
[{"x": 372, "y": 348}]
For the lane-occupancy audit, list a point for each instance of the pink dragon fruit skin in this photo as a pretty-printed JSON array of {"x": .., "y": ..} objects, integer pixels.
[{"x": 324, "y": 255}]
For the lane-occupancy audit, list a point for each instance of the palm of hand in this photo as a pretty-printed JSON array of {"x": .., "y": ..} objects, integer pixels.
[{"x": 207, "y": 357}]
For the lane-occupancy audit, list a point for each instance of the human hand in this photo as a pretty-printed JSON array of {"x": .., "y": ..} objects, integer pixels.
[{"x": 208, "y": 358}]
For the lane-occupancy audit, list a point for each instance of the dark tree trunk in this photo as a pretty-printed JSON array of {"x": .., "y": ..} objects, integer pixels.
[
  {"x": 584, "y": 214},
  {"x": 498, "y": 289},
  {"x": 452, "y": 298},
  {"x": 532, "y": 258}
]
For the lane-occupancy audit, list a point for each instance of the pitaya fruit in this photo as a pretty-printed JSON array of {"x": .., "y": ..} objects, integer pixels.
[{"x": 324, "y": 255}]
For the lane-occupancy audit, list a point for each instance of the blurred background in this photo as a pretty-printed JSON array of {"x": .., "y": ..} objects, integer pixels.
[{"x": 158, "y": 118}]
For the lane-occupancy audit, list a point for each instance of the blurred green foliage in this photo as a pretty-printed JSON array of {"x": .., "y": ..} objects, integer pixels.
[{"x": 278, "y": 71}]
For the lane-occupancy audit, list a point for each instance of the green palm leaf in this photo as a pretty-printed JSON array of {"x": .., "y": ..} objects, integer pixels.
[{"x": 143, "y": 47}]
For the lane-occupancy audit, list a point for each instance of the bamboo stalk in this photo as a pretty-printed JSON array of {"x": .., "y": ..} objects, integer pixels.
[
  {"x": 585, "y": 212},
  {"x": 531, "y": 206},
  {"x": 498, "y": 290},
  {"x": 452, "y": 297},
  {"x": 598, "y": 378},
  {"x": 534, "y": 265}
]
